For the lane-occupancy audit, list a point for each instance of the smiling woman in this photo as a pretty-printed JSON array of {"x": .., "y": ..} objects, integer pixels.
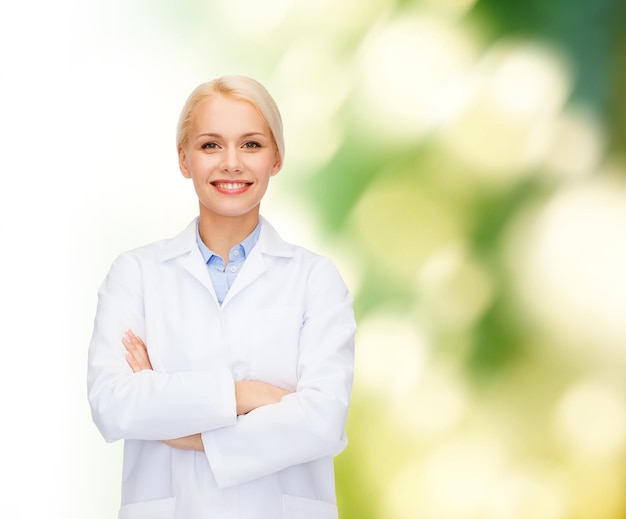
[
  {"x": 218, "y": 417},
  {"x": 230, "y": 155}
]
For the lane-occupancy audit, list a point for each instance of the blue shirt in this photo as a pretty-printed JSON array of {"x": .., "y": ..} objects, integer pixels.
[{"x": 223, "y": 276}]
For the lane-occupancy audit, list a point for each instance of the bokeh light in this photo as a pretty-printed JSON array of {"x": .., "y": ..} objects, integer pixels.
[
  {"x": 590, "y": 421},
  {"x": 510, "y": 100},
  {"x": 406, "y": 65},
  {"x": 574, "y": 276}
]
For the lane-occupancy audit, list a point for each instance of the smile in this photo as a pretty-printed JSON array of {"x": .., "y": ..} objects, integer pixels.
[{"x": 231, "y": 186}]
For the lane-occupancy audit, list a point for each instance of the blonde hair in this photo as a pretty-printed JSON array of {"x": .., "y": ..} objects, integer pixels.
[{"x": 234, "y": 87}]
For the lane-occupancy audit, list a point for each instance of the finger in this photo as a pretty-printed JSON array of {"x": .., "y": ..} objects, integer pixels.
[
  {"x": 134, "y": 365},
  {"x": 134, "y": 343},
  {"x": 131, "y": 338},
  {"x": 137, "y": 360},
  {"x": 128, "y": 343},
  {"x": 130, "y": 334},
  {"x": 132, "y": 347},
  {"x": 138, "y": 351}
]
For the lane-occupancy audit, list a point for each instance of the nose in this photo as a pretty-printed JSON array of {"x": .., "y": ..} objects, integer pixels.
[{"x": 231, "y": 161}]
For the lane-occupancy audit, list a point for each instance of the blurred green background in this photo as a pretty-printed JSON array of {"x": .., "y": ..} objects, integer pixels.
[{"x": 463, "y": 161}]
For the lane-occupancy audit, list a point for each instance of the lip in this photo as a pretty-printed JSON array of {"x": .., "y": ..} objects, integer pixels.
[{"x": 230, "y": 187}]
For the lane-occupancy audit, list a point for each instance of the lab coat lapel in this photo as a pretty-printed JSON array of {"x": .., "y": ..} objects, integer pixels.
[
  {"x": 269, "y": 244},
  {"x": 253, "y": 268},
  {"x": 184, "y": 250},
  {"x": 194, "y": 264}
]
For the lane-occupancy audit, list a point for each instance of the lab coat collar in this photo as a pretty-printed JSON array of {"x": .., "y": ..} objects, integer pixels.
[
  {"x": 269, "y": 242},
  {"x": 184, "y": 249}
]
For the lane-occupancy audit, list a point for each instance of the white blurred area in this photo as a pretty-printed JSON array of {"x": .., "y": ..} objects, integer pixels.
[
  {"x": 90, "y": 97},
  {"x": 407, "y": 66},
  {"x": 36, "y": 393},
  {"x": 573, "y": 273},
  {"x": 504, "y": 109}
]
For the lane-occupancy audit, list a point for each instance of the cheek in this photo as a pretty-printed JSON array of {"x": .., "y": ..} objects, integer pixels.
[
  {"x": 267, "y": 164},
  {"x": 275, "y": 168},
  {"x": 198, "y": 165}
]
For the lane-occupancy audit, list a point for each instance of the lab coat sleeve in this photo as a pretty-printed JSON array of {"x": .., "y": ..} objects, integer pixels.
[
  {"x": 310, "y": 423},
  {"x": 148, "y": 405}
]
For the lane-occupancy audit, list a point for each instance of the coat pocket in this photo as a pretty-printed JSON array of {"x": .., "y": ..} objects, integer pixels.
[
  {"x": 305, "y": 508},
  {"x": 154, "y": 509}
]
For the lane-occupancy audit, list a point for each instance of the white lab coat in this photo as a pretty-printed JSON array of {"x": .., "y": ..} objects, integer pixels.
[{"x": 287, "y": 320}]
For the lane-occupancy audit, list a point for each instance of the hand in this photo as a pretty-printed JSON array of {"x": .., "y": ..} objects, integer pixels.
[
  {"x": 138, "y": 359},
  {"x": 193, "y": 443},
  {"x": 137, "y": 353},
  {"x": 251, "y": 394}
]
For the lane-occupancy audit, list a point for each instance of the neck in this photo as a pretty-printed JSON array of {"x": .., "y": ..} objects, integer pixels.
[{"x": 222, "y": 233}]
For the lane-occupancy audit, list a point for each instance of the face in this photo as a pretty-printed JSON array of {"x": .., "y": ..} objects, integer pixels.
[{"x": 230, "y": 156}]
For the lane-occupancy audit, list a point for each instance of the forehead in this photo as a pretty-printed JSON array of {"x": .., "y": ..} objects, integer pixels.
[{"x": 220, "y": 113}]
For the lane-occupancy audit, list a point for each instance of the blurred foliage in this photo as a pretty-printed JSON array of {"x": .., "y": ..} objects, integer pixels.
[
  {"x": 503, "y": 347},
  {"x": 592, "y": 34}
]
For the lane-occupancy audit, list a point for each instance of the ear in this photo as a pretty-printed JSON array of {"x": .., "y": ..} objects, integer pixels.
[
  {"x": 277, "y": 164},
  {"x": 182, "y": 163}
]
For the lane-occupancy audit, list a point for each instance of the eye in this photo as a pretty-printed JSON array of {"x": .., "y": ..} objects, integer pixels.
[
  {"x": 209, "y": 146},
  {"x": 251, "y": 145}
]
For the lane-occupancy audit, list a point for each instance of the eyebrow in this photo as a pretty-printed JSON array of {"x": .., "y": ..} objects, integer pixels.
[{"x": 219, "y": 136}]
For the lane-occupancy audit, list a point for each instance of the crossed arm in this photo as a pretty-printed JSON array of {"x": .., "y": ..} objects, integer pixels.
[{"x": 249, "y": 394}]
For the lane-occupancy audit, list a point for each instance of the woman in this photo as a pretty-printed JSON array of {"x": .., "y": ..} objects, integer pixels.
[{"x": 224, "y": 356}]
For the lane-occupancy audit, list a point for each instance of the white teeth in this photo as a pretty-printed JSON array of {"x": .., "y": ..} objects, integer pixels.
[{"x": 231, "y": 186}]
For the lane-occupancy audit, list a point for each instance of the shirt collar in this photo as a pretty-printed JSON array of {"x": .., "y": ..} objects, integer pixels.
[
  {"x": 185, "y": 243},
  {"x": 244, "y": 247}
]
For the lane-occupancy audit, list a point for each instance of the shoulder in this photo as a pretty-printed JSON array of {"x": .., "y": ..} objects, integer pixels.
[
  {"x": 271, "y": 243},
  {"x": 311, "y": 264},
  {"x": 160, "y": 250}
]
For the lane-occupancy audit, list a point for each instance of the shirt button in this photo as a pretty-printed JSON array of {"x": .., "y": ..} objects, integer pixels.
[
  {"x": 233, "y": 269},
  {"x": 236, "y": 253}
]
